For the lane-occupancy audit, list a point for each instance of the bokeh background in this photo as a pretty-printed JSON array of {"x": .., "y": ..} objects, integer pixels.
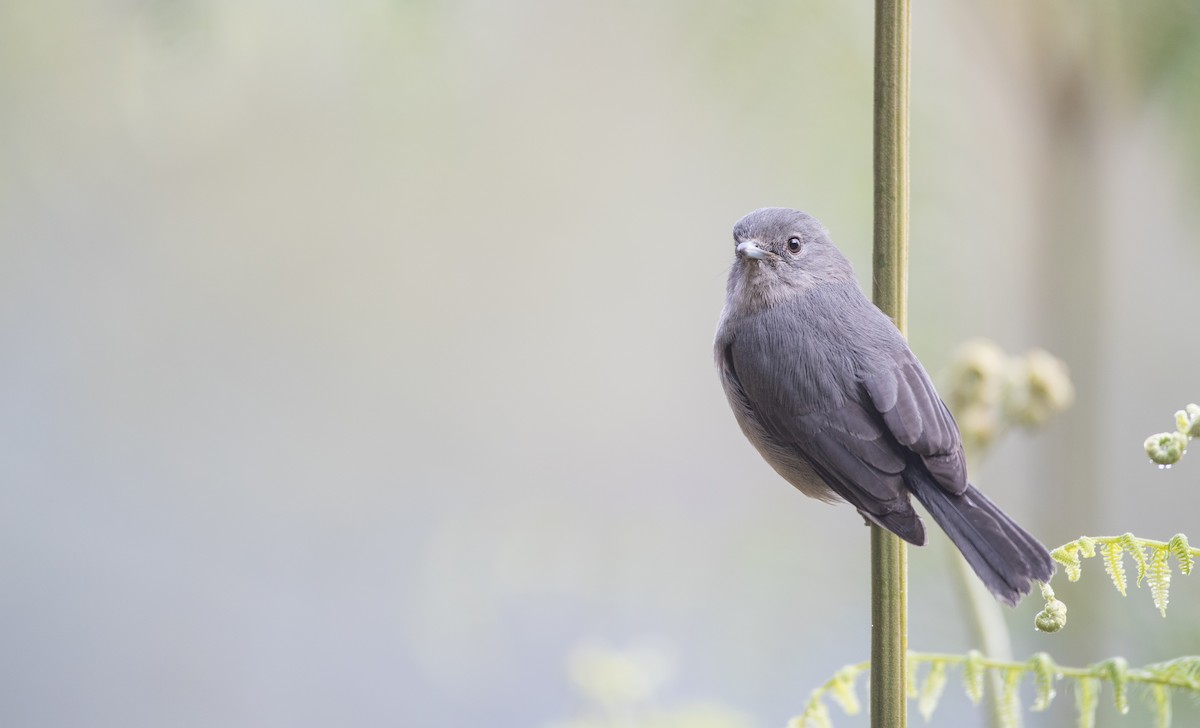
[{"x": 356, "y": 369}]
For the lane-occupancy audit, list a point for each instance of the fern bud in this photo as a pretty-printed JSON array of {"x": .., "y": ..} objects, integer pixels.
[
  {"x": 977, "y": 375},
  {"x": 1166, "y": 448},
  {"x": 1188, "y": 420},
  {"x": 1040, "y": 387},
  {"x": 977, "y": 383},
  {"x": 1052, "y": 618},
  {"x": 1183, "y": 552},
  {"x": 979, "y": 427}
]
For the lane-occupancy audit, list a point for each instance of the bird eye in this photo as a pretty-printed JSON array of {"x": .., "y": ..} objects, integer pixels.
[{"x": 794, "y": 245}]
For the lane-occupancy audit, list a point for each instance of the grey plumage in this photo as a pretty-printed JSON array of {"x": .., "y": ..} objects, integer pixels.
[{"x": 826, "y": 389}]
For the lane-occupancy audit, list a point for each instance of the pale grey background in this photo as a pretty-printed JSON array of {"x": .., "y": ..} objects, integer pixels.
[{"x": 356, "y": 364}]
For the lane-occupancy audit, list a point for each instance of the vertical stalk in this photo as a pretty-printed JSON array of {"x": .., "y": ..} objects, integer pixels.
[{"x": 889, "y": 560}]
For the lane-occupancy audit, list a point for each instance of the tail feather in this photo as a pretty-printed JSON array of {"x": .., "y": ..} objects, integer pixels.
[{"x": 1004, "y": 555}]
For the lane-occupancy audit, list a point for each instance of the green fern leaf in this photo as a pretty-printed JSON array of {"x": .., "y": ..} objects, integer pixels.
[
  {"x": 1158, "y": 575},
  {"x": 1113, "y": 565},
  {"x": 815, "y": 715},
  {"x": 842, "y": 689},
  {"x": 911, "y": 687},
  {"x": 1183, "y": 552},
  {"x": 1045, "y": 673},
  {"x": 1160, "y": 699},
  {"x": 1068, "y": 556},
  {"x": 1181, "y": 669},
  {"x": 973, "y": 670},
  {"x": 1131, "y": 544},
  {"x": 1087, "y": 546},
  {"x": 1010, "y": 702},
  {"x": 931, "y": 691},
  {"x": 1118, "y": 674},
  {"x": 1087, "y": 697}
]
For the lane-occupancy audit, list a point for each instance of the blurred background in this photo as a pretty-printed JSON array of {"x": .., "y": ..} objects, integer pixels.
[{"x": 356, "y": 368}]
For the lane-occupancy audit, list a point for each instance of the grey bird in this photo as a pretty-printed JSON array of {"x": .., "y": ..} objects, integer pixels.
[{"x": 827, "y": 390}]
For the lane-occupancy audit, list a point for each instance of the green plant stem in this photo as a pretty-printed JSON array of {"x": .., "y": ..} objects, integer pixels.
[
  {"x": 890, "y": 282},
  {"x": 889, "y": 630},
  {"x": 889, "y": 566}
]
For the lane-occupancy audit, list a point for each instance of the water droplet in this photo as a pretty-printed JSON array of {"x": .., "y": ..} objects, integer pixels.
[
  {"x": 1168, "y": 467},
  {"x": 1161, "y": 467}
]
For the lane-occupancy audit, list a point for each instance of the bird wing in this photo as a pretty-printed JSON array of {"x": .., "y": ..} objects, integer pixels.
[
  {"x": 802, "y": 409},
  {"x": 858, "y": 419},
  {"x": 902, "y": 394}
]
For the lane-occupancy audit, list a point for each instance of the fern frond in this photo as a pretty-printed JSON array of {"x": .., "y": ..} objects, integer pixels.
[
  {"x": 1113, "y": 565},
  {"x": 1045, "y": 673},
  {"x": 973, "y": 670},
  {"x": 1159, "y": 578},
  {"x": 1180, "y": 672},
  {"x": 1068, "y": 556},
  {"x": 1160, "y": 700},
  {"x": 1157, "y": 680},
  {"x": 816, "y": 715},
  {"x": 1117, "y": 671},
  {"x": 931, "y": 691},
  {"x": 1152, "y": 564},
  {"x": 1182, "y": 551},
  {"x": 1087, "y": 546},
  {"x": 1087, "y": 698},
  {"x": 1010, "y": 702},
  {"x": 842, "y": 689},
  {"x": 1130, "y": 543}
]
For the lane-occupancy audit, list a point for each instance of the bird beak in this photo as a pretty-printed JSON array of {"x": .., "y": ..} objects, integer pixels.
[{"x": 750, "y": 250}]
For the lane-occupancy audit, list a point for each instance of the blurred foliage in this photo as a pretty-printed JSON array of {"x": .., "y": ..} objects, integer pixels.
[
  {"x": 991, "y": 392},
  {"x": 1157, "y": 680},
  {"x": 619, "y": 688}
]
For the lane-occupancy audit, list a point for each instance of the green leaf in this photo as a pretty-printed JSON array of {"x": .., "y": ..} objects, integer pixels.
[
  {"x": 1117, "y": 671},
  {"x": 1045, "y": 673},
  {"x": 1178, "y": 545},
  {"x": 1010, "y": 702},
  {"x": 1087, "y": 546},
  {"x": 1112, "y": 564},
  {"x": 931, "y": 691},
  {"x": 1087, "y": 697},
  {"x": 842, "y": 689},
  {"x": 1068, "y": 556},
  {"x": 1160, "y": 699},
  {"x": 1158, "y": 575},
  {"x": 816, "y": 715},
  {"x": 1181, "y": 669},
  {"x": 973, "y": 670},
  {"x": 910, "y": 688},
  {"x": 1131, "y": 544}
]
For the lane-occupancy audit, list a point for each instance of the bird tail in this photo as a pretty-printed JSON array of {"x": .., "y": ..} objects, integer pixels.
[{"x": 1004, "y": 555}]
